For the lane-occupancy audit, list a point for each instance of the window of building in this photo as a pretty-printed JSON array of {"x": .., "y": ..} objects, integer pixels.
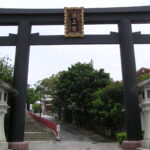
[
  {"x": 5, "y": 96},
  {"x": 143, "y": 95},
  {"x": 148, "y": 93}
]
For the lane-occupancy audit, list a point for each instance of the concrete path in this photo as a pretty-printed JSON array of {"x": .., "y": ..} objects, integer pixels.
[
  {"x": 73, "y": 145},
  {"x": 73, "y": 138}
]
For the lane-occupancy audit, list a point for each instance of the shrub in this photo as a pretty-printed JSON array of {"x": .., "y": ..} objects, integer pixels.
[
  {"x": 121, "y": 137},
  {"x": 36, "y": 108}
]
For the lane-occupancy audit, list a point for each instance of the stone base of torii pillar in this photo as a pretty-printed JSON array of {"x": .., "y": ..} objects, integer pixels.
[
  {"x": 18, "y": 145},
  {"x": 131, "y": 145}
]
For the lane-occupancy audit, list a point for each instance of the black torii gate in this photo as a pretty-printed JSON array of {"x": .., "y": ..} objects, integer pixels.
[{"x": 25, "y": 18}]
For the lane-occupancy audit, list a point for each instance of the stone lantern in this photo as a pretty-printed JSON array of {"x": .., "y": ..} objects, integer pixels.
[
  {"x": 144, "y": 104},
  {"x": 4, "y": 89}
]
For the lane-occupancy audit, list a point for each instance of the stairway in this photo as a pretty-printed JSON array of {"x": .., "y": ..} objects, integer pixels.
[{"x": 35, "y": 131}]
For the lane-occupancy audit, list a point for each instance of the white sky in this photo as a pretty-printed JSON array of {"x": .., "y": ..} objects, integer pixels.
[{"x": 48, "y": 60}]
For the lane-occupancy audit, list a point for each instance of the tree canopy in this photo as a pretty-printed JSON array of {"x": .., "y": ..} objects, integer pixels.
[
  {"x": 107, "y": 107},
  {"x": 75, "y": 88},
  {"x": 85, "y": 96},
  {"x": 6, "y": 70},
  {"x": 32, "y": 96},
  {"x": 47, "y": 85}
]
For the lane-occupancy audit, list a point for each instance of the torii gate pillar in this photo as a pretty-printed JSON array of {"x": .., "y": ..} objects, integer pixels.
[
  {"x": 132, "y": 112},
  {"x": 17, "y": 118}
]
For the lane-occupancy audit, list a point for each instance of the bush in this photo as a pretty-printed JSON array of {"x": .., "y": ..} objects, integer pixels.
[
  {"x": 121, "y": 137},
  {"x": 37, "y": 108}
]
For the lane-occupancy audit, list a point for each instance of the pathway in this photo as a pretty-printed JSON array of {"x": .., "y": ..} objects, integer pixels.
[
  {"x": 73, "y": 138},
  {"x": 36, "y": 132}
]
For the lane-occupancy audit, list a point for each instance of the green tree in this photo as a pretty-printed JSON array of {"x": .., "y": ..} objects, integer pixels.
[
  {"x": 36, "y": 108},
  {"x": 6, "y": 70},
  {"x": 75, "y": 88},
  {"x": 32, "y": 96},
  {"x": 47, "y": 86},
  {"x": 107, "y": 107}
]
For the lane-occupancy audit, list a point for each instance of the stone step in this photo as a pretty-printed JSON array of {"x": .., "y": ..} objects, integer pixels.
[
  {"x": 43, "y": 134},
  {"x": 31, "y": 128},
  {"x": 32, "y": 125},
  {"x": 31, "y": 136},
  {"x": 34, "y": 131},
  {"x": 37, "y": 139}
]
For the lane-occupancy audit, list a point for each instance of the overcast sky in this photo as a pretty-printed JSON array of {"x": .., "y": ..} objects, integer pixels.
[{"x": 48, "y": 60}]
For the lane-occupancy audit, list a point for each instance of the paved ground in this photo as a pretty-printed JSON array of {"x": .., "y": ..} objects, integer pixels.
[
  {"x": 73, "y": 138},
  {"x": 72, "y": 133},
  {"x": 73, "y": 145}
]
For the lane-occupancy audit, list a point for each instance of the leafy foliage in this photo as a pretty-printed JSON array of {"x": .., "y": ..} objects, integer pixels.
[
  {"x": 107, "y": 107},
  {"x": 6, "y": 70},
  {"x": 47, "y": 86},
  {"x": 36, "y": 108},
  {"x": 121, "y": 137},
  {"x": 75, "y": 88},
  {"x": 33, "y": 96},
  {"x": 143, "y": 77}
]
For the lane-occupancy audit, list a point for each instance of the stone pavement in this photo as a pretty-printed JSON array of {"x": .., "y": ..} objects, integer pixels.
[
  {"x": 74, "y": 138},
  {"x": 72, "y": 145}
]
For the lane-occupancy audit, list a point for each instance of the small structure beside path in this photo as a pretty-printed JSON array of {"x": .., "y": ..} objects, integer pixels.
[
  {"x": 46, "y": 105},
  {"x": 4, "y": 89},
  {"x": 144, "y": 103}
]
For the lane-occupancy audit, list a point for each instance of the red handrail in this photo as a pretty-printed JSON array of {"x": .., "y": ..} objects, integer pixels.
[{"x": 45, "y": 122}]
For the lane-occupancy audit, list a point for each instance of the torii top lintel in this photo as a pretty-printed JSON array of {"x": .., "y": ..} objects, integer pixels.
[{"x": 92, "y": 15}]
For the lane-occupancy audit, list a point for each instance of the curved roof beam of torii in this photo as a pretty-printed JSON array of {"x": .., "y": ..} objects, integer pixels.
[{"x": 92, "y": 15}]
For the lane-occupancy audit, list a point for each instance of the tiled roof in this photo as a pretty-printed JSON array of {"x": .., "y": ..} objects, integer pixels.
[{"x": 143, "y": 71}]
